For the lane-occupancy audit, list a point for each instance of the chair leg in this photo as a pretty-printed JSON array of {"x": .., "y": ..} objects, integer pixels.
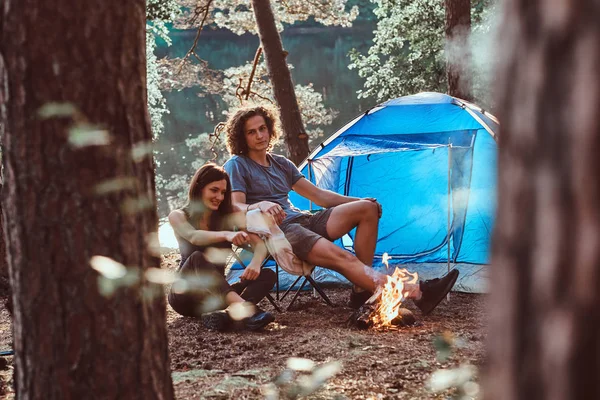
[
  {"x": 237, "y": 258},
  {"x": 268, "y": 296},
  {"x": 319, "y": 290},
  {"x": 277, "y": 281},
  {"x": 290, "y": 288},
  {"x": 272, "y": 301},
  {"x": 297, "y": 293}
]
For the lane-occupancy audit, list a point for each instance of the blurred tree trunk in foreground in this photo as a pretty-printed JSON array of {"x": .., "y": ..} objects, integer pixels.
[
  {"x": 4, "y": 281},
  {"x": 458, "y": 50},
  {"x": 545, "y": 322},
  {"x": 296, "y": 138},
  {"x": 76, "y": 74}
]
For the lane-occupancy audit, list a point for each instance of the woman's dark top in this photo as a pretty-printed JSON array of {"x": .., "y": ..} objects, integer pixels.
[{"x": 186, "y": 248}]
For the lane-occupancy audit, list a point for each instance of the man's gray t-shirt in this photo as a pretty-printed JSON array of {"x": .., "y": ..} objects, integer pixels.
[{"x": 260, "y": 183}]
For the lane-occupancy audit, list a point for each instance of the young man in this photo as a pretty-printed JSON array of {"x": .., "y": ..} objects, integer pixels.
[{"x": 260, "y": 179}]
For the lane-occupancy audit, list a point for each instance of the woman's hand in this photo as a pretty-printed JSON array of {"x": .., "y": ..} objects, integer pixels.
[
  {"x": 238, "y": 238},
  {"x": 272, "y": 209},
  {"x": 251, "y": 272}
]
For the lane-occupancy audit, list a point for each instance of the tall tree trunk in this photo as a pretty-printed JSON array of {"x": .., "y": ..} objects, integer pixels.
[
  {"x": 4, "y": 279},
  {"x": 279, "y": 73},
  {"x": 71, "y": 342},
  {"x": 458, "y": 51},
  {"x": 545, "y": 322}
]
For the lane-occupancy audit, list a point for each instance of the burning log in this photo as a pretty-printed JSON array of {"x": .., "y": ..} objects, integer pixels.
[
  {"x": 383, "y": 309},
  {"x": 363, "y": 317},
  {"x": 405, "y": 318}
]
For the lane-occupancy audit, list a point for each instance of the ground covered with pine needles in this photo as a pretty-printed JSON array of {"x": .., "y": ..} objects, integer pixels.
[{"x": 345, "y": 363}]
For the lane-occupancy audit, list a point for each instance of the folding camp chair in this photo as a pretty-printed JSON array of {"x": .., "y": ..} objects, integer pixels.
[
  {"x": 269, "y": 260},
  {"x": 307, "y": 278},
  {"x": 269, "y": 297}
]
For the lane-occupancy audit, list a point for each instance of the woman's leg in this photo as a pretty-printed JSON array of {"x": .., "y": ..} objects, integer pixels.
[
  {"x": 206, "y": 288},
  {"x": 255, "y": 282},
  {"x": 255, "y": 290}
]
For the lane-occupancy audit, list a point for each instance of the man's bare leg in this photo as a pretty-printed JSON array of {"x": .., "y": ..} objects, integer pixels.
[
  {"x": 362, "y": 214},
  {"x": 328, "y": 255}
]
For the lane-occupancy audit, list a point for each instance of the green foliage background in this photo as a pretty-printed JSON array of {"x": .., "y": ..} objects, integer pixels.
[
  {"x": 395, "y": 48},
  {"x": 409, "y": 55}
]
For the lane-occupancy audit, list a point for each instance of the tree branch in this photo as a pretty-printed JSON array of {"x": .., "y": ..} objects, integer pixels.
[
  {"x": 192, "y": 51},
  {"x": 256, "y": 58}
]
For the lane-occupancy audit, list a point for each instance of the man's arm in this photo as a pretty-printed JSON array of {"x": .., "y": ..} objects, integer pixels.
[
  {"x": 321, "y": 197},
  {"x": 326, "y": 198},
  {"x": 238, "y": 200}
]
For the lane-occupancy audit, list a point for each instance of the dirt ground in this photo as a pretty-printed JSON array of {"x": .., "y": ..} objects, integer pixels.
[{"x": 394, "y": 364}]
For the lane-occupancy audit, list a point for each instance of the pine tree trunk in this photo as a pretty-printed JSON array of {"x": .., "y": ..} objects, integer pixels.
[
  {"x": 71, "y": 342},
  {"x": 545, "y": 323},
  {"x": 279, "y": 73},
  {"x": 4, "y": 281},
  {"x": 458, "y": 52}
]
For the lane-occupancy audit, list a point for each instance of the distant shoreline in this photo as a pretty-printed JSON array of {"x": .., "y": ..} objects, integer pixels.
[{"x": 290, "y": 31}]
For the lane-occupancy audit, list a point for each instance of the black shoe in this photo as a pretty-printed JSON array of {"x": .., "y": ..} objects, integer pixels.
[
  {"x": 434, "y": 290},
  {"x": 357, "y": 299},
  {"x": 216, "y": 320},
  {"x": 259, "y": 320}
]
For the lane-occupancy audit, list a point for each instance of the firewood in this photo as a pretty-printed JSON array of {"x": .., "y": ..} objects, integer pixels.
[
  {"x": 361, "y": 318},
  {"x": 405, "y": 318}
]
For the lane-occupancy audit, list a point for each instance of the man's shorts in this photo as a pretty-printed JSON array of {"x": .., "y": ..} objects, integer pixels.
[{"x": 304, "y": 230}]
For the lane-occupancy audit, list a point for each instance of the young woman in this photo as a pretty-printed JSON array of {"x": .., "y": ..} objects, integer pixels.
[{"x": 204, "y": 224}]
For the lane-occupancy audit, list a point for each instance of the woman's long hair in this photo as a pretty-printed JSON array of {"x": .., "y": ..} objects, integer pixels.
[{"x": 195, "y": 208}]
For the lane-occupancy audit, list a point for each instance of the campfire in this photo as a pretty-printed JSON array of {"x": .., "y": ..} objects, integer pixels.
[{"x": 384, "y": 309}]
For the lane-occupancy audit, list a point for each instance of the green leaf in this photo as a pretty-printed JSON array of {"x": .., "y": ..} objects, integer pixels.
[
  {"x": 115, "y": 185},
  {"x": 83, "y": 135},
  {"x": 300, "y": 364},
  {"x": 108, "y": 267},
  {"x": 141, "y": 150},
  {"x": 443, "y": 379},
  {"x": 57, "y": 110},
  {"x": 135, "y": 205},
  {"x": 193, "y": 374}
]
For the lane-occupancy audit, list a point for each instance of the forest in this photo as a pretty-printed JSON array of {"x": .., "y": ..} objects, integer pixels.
[{"x": 464, "y": 128}]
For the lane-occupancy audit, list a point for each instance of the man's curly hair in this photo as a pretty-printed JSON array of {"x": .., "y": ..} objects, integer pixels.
[{"x": 234, "y": 127}]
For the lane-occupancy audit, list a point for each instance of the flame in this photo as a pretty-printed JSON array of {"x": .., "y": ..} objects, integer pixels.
[{"x": 392, "y": 296}]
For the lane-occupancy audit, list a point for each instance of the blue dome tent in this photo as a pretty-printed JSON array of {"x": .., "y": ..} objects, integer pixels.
[{"x": 430, "y": 160}]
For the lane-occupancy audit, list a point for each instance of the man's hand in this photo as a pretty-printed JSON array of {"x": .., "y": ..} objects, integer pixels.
[
  {"x": 272, "y": 209},
  {"x": 251, "y": 272},
  {"x": 374, "y": 200},
  {"x": 238, "y": 238}
]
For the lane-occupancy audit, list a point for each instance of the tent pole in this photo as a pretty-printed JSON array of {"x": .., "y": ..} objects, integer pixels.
[
  {"x": 310, "y": 180},
  {"x": 449, "y": 204},
  {"x": 310, "y": 208}
]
